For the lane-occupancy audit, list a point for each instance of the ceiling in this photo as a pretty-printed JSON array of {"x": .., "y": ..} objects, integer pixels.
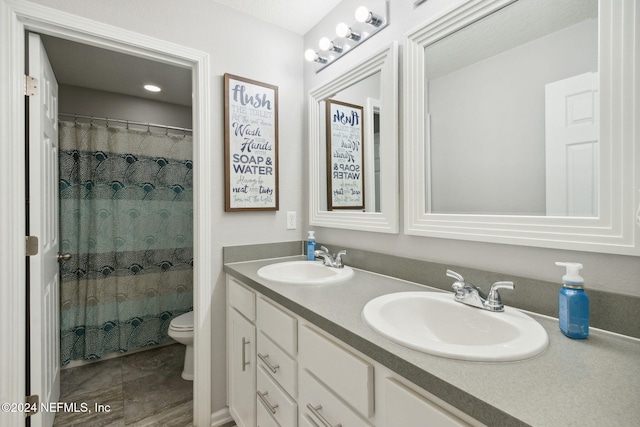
[
  {"x": 76, "y": 64},
  {"x": 298, "y": 16}
]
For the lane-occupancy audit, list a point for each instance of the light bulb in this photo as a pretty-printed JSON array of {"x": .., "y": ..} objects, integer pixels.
[
  {"x": 342, "y": 30},
  {"x": 325, "y": 43},
  {"x": 152, "y": 88},
  {"x": 362, "y": 14},
  {"x": 310, "y": 55}
]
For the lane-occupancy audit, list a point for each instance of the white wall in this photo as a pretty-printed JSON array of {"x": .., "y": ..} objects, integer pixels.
[
  {"x": 90, "y": 102},
  {"x": 602, "y": 271},
  {"x": 243, "y": 46},
  {"x": 502, "y": 171}
]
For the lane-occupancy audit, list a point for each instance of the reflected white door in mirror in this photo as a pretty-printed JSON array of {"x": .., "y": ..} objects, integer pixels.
[
  {"x": 520, "y": 124},
  {"x": 353, "y": 147}
]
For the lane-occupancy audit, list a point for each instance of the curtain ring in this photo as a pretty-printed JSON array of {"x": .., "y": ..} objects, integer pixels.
[{"x": 149, "y": 128}]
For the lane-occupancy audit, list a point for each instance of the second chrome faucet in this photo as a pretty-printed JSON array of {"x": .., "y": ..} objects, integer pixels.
[
  {"x": 329, "y": 260},
  {"x": 472, "y": 295}
]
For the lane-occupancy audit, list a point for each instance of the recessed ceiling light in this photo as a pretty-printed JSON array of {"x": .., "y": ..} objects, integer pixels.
[{"x": 152, "y": 88}]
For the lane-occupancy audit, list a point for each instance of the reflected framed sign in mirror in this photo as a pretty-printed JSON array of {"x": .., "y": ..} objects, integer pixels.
[{"x": 345, "y": 155}]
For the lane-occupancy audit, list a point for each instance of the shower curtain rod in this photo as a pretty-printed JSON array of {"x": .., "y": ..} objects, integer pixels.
[{"x": 128, "y": 122}]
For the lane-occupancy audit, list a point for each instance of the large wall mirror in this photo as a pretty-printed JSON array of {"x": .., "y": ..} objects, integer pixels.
[
  {"x": 519, "y": 124},
  {"x": 353, "y": 151}
]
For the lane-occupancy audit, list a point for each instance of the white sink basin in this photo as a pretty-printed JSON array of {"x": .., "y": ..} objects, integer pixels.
[
  {"x": 434, "y": 323},
  {"x": 304, "y": 273}
]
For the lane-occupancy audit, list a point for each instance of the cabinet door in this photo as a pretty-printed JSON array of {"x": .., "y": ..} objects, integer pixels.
[
  {"x": 242, "y": 369},
  {"x": 406, "y": 408}
]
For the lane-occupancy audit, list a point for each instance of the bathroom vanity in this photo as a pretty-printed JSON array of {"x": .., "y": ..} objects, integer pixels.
[{"x": 302, "y": 355}]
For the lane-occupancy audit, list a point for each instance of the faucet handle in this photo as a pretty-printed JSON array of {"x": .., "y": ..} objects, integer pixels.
[
  {"x": 324, "y": 248},
  {"x": 494, "y": 302},
  {"x": 459, "y": 284},
  {"x": 454, "y": 275},
  {"x": 338, "y": 258}
]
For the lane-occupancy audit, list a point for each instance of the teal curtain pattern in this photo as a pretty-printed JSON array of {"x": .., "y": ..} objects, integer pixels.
[{"x": 126, "y": 216}]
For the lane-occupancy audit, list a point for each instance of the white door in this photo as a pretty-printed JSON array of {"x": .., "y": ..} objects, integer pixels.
[
  {"x": 44, "y": 280},
  {"x": 572, "y": 127}
]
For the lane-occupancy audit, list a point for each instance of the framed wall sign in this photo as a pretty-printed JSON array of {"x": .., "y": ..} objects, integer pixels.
[
  {"x": 345, "y": 155},
  {"x": 250, "y": 144}
]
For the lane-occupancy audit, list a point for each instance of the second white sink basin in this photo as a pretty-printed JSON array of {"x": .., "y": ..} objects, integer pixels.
[
  {"x": 304, "y": 273},
  {"x": 434, "y": 323}
]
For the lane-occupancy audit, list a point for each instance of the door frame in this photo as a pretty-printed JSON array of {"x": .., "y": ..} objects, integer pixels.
[{"x": 16, "y": 17}]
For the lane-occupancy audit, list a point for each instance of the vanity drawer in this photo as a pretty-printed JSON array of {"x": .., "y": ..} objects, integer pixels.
[
  {"x": 284, "y": 366},
  {"x": 321, "y": 406},
  {"x": 241, "y": 298},
  {"x": 278, "y": 325},
  {"x": 345, "y": 374},
  {"x": 275, "y": 401}
]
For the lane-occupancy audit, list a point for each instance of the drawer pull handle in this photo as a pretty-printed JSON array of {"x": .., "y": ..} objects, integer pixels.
[
  {"x": 315, "y": 410},
  {"x": 244, "y": 353},
  {"x": 263, "y": 397},
  {"x": 264, "y": 357}
]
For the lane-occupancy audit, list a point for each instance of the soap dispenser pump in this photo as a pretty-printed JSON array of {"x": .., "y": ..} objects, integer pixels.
[{"x": 573, "y": 303}]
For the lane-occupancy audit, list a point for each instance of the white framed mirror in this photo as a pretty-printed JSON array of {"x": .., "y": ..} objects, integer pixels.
[
  {"x": 521, "y": 125},
  {"x": 369, "y": 92}
]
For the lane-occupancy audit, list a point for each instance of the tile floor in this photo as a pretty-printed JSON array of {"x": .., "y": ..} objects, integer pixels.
[{"x": 141, "y": 389}]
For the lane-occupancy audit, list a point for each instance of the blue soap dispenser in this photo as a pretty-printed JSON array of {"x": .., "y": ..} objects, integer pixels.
[
  {"x": 573, "y": 303},
  {"x": 311, "y": 246}
]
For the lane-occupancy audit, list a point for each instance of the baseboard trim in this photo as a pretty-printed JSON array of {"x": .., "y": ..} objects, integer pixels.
[{"x": 221, "y": 417}]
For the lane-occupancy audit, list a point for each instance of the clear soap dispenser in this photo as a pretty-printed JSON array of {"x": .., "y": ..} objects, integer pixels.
[{"x": 573, "y": 303}]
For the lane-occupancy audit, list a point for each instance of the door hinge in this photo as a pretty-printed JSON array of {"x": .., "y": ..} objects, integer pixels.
[
  {"x": 30, "y": 86},
  {"x": 32, "y": 404},
  {"x": 32, "y": 245}
]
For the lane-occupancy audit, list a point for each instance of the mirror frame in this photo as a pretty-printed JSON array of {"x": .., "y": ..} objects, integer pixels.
[
  {"x": 615, "y": 229},
  {"x": 384, "y": 61}
]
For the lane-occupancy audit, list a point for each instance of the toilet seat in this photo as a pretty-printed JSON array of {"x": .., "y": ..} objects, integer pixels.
[{"x": 182, "y": 323}]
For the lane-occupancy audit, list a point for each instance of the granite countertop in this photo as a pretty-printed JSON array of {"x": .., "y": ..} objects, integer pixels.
[{"x": 592, "y": 382}]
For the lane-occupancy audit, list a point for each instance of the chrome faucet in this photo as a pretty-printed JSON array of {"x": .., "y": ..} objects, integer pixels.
[
  {"x": 328, "y": 259},
  {"x": 472, "y": 295}
]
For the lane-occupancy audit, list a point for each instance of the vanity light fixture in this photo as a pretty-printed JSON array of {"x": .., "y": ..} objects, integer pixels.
[
  {"x": 369, "y": 20},
  {"x": 313, "y": 56},
  {"x": 326, "y": 44},
  {"x": 152, "y": 88},
  {"x": 363, "y": 14},
  {"x": 343, "y": 30}
]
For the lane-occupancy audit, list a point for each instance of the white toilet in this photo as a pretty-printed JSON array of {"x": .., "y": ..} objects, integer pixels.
[{"x": 181, "y": 330}]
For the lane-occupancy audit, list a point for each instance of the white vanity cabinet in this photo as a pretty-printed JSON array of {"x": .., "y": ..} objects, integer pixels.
[
  {"x": 241, "y": 357},
  {"x": 285, "y": 372}
]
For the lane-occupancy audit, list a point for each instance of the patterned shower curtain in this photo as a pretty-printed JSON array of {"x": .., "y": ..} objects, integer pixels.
[{"x": 126, "y": 216}]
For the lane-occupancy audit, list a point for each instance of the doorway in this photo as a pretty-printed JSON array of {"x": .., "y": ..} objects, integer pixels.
[{"x": 22, "y": 17}]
